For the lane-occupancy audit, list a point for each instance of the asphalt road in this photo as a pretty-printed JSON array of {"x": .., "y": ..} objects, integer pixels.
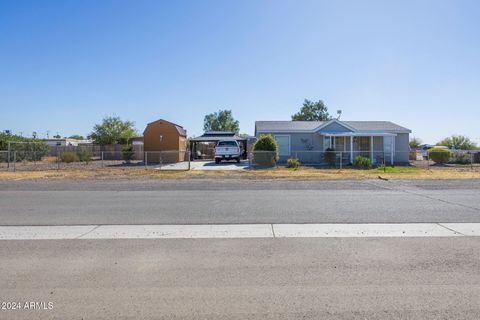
[
  {"x": 414, "y": 278},
  {"x": 237, "y": 201},
  {"x": 259, "y": 278}
]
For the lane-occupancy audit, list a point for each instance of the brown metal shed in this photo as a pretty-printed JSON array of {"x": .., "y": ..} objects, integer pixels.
[{"x": 163, "y": 135}]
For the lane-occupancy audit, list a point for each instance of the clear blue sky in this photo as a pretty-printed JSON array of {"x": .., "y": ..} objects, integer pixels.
[{"x": 64, "y": 65}]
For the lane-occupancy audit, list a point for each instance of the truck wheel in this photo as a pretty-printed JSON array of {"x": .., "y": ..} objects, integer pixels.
[
  {"x": 238, "y": 160},
  {"x": 217, "y": 161}
]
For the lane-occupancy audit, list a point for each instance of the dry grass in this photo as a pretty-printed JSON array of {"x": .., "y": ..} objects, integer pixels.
[{"x": 303, "y": 173}]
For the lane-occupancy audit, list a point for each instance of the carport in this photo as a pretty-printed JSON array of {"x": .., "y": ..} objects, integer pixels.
[{"x": 203, "y": 147}]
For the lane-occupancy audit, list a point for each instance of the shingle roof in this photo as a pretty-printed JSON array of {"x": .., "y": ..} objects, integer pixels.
[
  {"x": 287, "y": 125},
  {"x": 375, "y": 125},
  {"x": 181, "y": 130},
  {"x": 214, "y": 138},
  {"x": 272, "y": 126}
]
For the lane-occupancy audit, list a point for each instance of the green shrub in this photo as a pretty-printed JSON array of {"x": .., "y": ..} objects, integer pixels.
[
  {"x": 84, "y": 155},
  {"x": 265, "y": 150},
  {"x": 439, "y": 155},
  {"x": 26, "y": 149},
  {"x": 360, "y": 162},
  {"x": 68, "y": 157},
  {"x": 293, "y": 163},
  {"x": 266, "y": 143},
  {"x": 330, "y": 156},
  {"x": 127, "y": 153}
]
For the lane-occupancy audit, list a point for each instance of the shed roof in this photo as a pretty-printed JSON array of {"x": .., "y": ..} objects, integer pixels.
[{"x": 181, "y": 131}]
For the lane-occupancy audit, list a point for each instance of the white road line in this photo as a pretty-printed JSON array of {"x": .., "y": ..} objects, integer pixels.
[
  {"x": 181, "y": 231},
  {"x": 468, "y": 229},
  {"x": 240, "y": 231},
  {"x": 362, "y": 230},
  {"x": 43, "y": 232}
]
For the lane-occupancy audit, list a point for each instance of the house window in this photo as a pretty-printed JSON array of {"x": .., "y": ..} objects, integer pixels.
[
  {"x": 283, "y": 145},
  {"x": 361, "y": 143},
  {"x": 339, "y": 143}
]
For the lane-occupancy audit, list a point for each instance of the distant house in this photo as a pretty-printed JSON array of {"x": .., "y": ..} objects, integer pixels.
[
  {"x": 162, "y": 135},
  {"x": 136, "y": 141},
  {"x": 65, "y": 142},
  {"x": 306, "y": 140}
]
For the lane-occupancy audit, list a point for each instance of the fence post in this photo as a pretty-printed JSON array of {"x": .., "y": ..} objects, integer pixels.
[
  {"x": 14, "y": 161},
  {"x": 189, "y": 155},
  {"x": 471, "y": 160},
  {"x": 145, "y": 159},
  {"x": 8, "y": 163},
  {"x": 341, "y": 156},
  {"x": 102, "y": 160}
]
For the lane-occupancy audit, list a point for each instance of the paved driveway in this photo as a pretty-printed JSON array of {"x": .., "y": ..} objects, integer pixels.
[{"x": 207, "y": 165}]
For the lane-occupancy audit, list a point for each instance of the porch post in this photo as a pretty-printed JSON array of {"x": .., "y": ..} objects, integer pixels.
[
  {"x": 392, "y": 146},
  {"x": 351, "y": 149},
  {"x": 371, "y": 149}
]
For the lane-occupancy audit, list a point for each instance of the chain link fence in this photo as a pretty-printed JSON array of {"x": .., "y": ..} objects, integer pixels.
[
  {"x": 460, "y": 159},
  {"x": 327, "y": 159},
  {"x": 85, "y": 160}
]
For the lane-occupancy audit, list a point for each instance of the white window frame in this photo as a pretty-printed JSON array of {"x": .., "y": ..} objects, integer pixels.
[{"x": 289, "y": 143}]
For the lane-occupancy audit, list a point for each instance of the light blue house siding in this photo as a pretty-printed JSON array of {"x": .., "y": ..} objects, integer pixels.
[
  {"x": 402, "y": 148},
  {"x": 335, "y": 127},
  {"x": 307, "y": 140},
  {"x": 303, "y": 142}
]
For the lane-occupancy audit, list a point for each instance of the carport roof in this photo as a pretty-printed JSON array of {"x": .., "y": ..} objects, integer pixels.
[{"x": 214, "y": 138}]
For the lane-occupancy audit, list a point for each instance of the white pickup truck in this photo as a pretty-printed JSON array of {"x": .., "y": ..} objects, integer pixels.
[{"x": 227, "y": 150}]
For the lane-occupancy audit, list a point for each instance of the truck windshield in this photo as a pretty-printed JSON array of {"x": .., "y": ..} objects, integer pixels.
[{"x": 227, "y": 144}]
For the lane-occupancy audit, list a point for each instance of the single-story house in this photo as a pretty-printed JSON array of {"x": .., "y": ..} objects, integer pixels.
[
  {"x": 162, "y": 135},
  {"x": 135, "y": 141},
  {"x": 63, "y": 142},
  {"x": 381, "y": 141}
]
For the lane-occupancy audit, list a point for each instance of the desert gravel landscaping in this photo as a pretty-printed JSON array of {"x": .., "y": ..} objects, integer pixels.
[{"x": 303, "y": 173}]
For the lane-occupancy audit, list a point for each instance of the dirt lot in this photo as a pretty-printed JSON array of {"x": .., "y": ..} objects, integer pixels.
[{"x": 303, "y": 173}]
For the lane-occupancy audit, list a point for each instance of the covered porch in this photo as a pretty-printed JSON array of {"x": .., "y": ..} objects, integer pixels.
[{"x": 378, "y": 147}]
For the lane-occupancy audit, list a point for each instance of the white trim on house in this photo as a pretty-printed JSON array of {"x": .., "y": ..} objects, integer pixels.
[
  {"x": 358, "y": 134},
  {"x": 326, "y": 124},
  {"x": 289, "y": 143}
]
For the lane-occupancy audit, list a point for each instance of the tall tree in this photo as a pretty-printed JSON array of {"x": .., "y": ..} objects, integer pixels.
[
  {"x": 312, "y": 111},
  {"x": 415, "y": 142},
  {"x": 221, "y": 121},
  {"x": 458, "y": 142},
  {"x": 113, "y": 130}
]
